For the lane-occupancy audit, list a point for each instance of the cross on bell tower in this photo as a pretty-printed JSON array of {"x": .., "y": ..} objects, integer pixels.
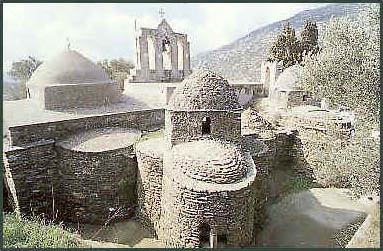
[
  {"x": 68, "y": 43},
  {"x": 161, "y": 13}
]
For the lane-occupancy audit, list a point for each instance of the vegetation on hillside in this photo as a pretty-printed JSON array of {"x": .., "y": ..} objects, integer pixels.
[
  {"x": 35, "y": 233},
  {"x": 117, "y": 69}
]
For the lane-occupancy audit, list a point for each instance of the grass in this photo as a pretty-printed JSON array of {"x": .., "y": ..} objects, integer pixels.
[
  {"x": 35, "y": 233},
  {"x": 152, "y": 135},
  {"x": 298, "y": 183}
]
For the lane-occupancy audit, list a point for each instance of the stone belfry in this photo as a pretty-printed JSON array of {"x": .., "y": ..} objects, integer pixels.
[{"x": 162, "y": 55}]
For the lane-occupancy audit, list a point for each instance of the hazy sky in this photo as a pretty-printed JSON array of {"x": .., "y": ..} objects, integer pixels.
[{"x": 106, "y": 30}]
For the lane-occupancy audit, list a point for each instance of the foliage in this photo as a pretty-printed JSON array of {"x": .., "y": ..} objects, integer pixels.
[
  {"x": 22, "y": 70},
  {"x": 346, "y": 71},
  {"x": 337, "y": 162},
  {"x": 288, "y": 49},
  {"x": 117, "y": 69},
  {"x": 309, "y": 38},
  {"x": 35, "y": 233}
]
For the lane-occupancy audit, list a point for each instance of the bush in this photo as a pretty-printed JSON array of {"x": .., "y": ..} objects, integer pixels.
[
  {"x": 35, "y": 233},
  {"x": 347, "y": 70},
  {"x": 342, "y": 163}
]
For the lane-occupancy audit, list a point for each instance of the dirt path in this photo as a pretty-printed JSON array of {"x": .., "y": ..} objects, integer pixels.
[
  {"x": 311, "y": 218},
  {"x": 124, "y": 234}
]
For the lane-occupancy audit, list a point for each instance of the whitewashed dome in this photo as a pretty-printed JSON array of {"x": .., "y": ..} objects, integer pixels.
[
  {"x": 68, "y": 67},
  {"x": 204, "y": 90},
  {"x": 70, "y": 81},
  {"x": 288, "y": 80}
]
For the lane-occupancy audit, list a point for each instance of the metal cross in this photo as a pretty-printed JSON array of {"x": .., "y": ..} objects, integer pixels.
[
  {"x": 161, "y": 13},
  {"x": 68, "y": 43}
]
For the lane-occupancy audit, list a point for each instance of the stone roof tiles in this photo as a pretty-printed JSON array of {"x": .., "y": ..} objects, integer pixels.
[{"x": 204, "y": 90}]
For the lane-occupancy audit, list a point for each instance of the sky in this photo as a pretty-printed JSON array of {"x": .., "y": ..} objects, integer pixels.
[{"x": 106, "y": 30}]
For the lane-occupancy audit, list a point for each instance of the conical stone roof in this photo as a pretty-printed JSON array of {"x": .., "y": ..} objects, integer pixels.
[
  {"x": 204, "y": 90},
  {"x": 211, "y": 161}
]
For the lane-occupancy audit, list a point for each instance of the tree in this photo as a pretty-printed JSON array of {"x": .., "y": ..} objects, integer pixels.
[
  {"x": 346, "y": 71},
  {"x": 286, "y": 48},
  {"x": 309, "y": 38},
  {"x": 22, "y": 70},
  {"x": 117, "y": 69}
]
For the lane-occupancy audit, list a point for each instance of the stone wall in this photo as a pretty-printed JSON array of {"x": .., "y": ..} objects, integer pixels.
[
  {"x": 297, "y": 98},
  {"x": 149, "y": 182},
  {"x": 183, "y": 126},
  {"x": 33, "y": 174},
  {"x": 142, "y": 120},
  {"x": 93, "y": 185}
]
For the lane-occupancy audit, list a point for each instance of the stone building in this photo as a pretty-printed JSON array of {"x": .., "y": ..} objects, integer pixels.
[
  {"x": 162, "y": 55},
  {"x": 287, "y": 91},
  {"x": 68, "y": 148},
  {"x": 205, "y": 176}
]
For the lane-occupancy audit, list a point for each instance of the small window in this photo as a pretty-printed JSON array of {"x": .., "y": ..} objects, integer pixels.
[
  {"x": 206, "y": 127},
  {"x": 204, "y": 234},
  {"x": 305, "y": 97}
]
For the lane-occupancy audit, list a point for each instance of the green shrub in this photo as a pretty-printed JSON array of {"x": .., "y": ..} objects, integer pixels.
[{"x": 35, "y": 233}]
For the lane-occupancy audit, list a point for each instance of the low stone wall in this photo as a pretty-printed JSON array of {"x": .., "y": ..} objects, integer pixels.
[
  {"x": 142, "y": 120},
  {"x": 93, "y": 185},
  {"x": 149, "y": 182},
  {"x": 33, "y": 174}
]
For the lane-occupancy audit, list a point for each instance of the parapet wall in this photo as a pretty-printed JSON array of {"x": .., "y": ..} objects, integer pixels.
[{"x": 141, "y": 120}]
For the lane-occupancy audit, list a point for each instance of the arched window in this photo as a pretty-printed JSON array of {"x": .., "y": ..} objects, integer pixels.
[
  {"x": 305, "y": 97},
  {"x": 206, "y": 126},
  {"x": 151, "y": 54},
  {"x": 180, "y": 53},
  {"x": 166, "y": 54}
]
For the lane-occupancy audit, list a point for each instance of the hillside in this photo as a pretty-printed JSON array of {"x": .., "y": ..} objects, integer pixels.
[
  {"x": 241, "y": 60},
  {"x": 12, "y": 90}
]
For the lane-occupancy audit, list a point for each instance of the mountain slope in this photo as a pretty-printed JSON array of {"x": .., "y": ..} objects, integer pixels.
[
  {"x": 241, "y": 60},
  {"x": 12, "y": 90}
]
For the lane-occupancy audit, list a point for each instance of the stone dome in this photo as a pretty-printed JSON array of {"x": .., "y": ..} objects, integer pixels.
[
  {"x": 204, "y": 90},
  {"x": 70, "y": 80},
  {"x": 68, "y": 67},
  {"x": 288, "y": 80},
  {"x": 211, "y": 161}
]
